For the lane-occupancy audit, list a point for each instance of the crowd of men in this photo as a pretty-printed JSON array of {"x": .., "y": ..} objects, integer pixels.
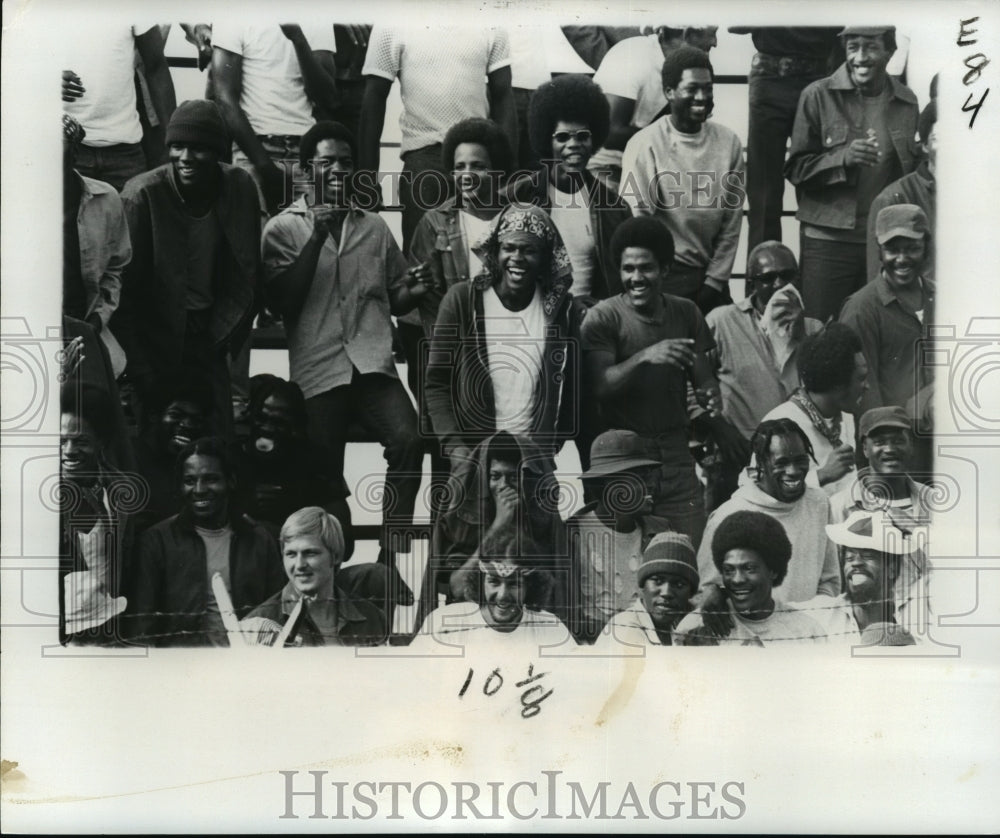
[{"x": 752, "y": 470}]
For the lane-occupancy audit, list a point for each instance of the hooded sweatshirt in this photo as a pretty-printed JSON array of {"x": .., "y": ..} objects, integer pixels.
[{"x": 813, "y": 568}]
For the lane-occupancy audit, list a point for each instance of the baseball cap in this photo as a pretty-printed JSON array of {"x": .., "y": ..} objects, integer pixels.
[
  {"x": 883, "y": 417},
  {"x": 864, "y": 530},
  {"x": 901, "y": 220}
]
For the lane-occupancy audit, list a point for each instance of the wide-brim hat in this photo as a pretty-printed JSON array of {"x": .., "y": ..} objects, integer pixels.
[
  {"x": 864, "y": 530},
  {"x": 616, "y": 451}
]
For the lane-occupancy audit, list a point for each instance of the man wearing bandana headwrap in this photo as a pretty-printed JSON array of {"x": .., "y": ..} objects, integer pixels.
[{"x": 502, "y": 355}]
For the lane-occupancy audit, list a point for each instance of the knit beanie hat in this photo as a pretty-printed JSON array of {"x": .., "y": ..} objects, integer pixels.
[
  {"x": 199, "y": 121},
  {"x": 669, "y": 552}
]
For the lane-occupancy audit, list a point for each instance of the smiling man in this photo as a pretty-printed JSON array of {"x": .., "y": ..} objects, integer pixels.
[
  {"x": 873, "y": 553},
  {"x": 853, "y": 136},
  {"x": 688, "y": 173},
  {"x": 751, "y": 552},
  {"x": 887, "y": 486},
  {"x": 502, "y": 605},
  {"x": 312, "y": 549},
  {"x": 336, "y": 275},
  {"x": 893, "y": 312},
  {"x": 188, "y": 295},
  {"x": 783, "y": 454},
  {"x": 642, "y": 348},
  {"x": 171, "y": 601}
]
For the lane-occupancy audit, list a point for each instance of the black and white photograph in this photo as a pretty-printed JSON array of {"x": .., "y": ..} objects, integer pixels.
[{"x": 503, "y": 344}]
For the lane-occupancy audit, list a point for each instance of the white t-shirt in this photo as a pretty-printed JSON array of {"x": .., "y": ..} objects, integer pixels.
[
  {"x": 571, "y": 215},
  {"x": 442, "y": 74},
  {"x": 514, "y": 342},
  {"x": 786, "y": 624},
  {"x": 632, "y": 69},
  {"x": 273, "y": 95},
  {"x": 609, "y": 561},
  {"x": 451, "y": 628},
  {"x": 106, "y": 67}
]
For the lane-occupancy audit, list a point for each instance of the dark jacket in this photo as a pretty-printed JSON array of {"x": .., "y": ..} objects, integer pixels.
[
  {"x": 458, "y": 391},
  {"x": 359, "y": 623},
  {"x": 152, "y": 316},
  {"x": 607, "y": 211},
  {"x": 170, "y": 590},
  {"x": 918, "y": 188},
  {"x": 829, "y": 117}
]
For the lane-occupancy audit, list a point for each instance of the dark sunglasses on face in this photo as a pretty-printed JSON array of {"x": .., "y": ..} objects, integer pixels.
[
  {"x": 771, "y": 277},
  {"x": 565, "y": 136}
]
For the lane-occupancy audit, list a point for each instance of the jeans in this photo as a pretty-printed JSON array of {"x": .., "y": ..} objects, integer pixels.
[
  {"x": 831, "y": 272},
  {"x": 773, "y": 101},
  {"x": 381, "y": 405},
  {"x": 419, "y": 194},
  {"x": 680, "y": 498},
  {"x": 114, "y": 164}
]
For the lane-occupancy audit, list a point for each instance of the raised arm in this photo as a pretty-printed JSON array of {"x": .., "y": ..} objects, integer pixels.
[{"x": 372, "y": 122}]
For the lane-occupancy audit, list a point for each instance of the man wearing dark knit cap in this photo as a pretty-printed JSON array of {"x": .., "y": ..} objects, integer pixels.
[
  {"x": 188, "y": 296},
  {"x": 668, "y": 578}
]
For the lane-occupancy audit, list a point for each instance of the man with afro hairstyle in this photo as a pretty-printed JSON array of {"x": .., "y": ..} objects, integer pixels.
[
  {"x": 688, "y": 173},
  {"x": 751, "y": 551},
  {"x": 567, "y": 121}
]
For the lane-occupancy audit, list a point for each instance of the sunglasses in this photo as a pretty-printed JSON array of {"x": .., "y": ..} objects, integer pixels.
[
  {"x": 581, "y": 136},
  {"x": 771, "y": 277}
]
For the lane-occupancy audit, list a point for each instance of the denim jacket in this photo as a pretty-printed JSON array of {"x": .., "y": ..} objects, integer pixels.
[{"x": 829, "y": 117}]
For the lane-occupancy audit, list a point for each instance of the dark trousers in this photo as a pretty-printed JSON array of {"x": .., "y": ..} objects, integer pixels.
[
  {"x": 831, "y": 272},
  {"x": 420, "y": 189},
  {"x": 114, "y": 164},
  {"x": 381, "y": 405},
  {"x": 773, "y": 101}
]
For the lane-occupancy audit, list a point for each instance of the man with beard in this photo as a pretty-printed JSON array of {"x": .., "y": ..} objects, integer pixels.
[
  {"x": 872, "y": 550},
  {"x": 687, "y": 173},
  {"x": 894, "y": 311},
  {"x": 887, "y": 486},
  {"x": 336, "y": 275},
  {"x": 782, "y": 452},
  {"x": 188, "y": 295},
  {"x": 667, "y": 577},
  {"x": 751, "y": 552},
  {"x": 607, "y": 537}
]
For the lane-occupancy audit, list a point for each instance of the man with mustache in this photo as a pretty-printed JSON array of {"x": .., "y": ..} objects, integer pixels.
[
  {"x": 893, "y": 312},
  {"x": 887, "y": 486},
  {"x": 873, "y": 551}
]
